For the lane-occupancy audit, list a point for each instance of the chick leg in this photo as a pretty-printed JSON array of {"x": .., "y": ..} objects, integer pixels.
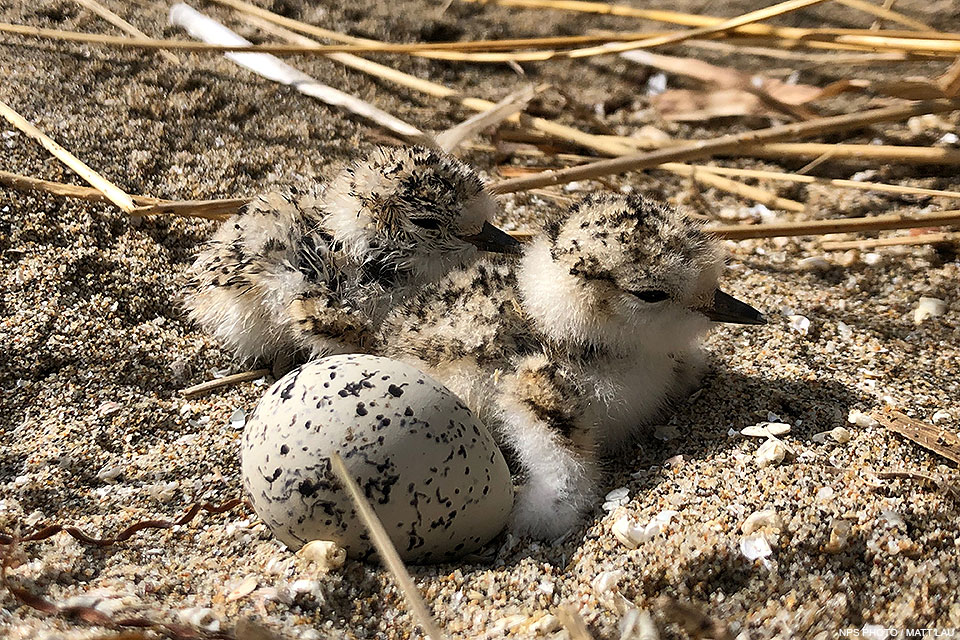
[{"x": 540, "y": 423}]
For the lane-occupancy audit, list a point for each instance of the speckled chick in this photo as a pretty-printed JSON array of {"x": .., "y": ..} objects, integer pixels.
[
  {"x": 566, "y": 355},
  {"x": 297, "y": 275}
]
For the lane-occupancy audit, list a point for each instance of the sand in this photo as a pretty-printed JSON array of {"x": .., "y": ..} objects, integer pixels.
[{"x": 95, "y": 350}]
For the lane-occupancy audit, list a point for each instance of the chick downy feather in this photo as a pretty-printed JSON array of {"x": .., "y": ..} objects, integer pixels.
[
  {"x": 298, "y": 275},
  {"x": 567, "y": 354}
]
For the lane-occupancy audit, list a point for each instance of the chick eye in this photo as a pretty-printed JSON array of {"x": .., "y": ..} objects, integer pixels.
[
  {"x": 651, "y": 295},
  {"x": 426, "y": 223}
]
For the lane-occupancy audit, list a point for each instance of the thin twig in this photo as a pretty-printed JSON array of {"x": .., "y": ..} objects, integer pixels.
[
  {"x": 935, "y": 439},
  {"x": 886, "y": 14},
  {"x": 257, "y": 16},
  {"x": 386, "y": 550},
  {"x": 107, "y": 188},
  {"x": 673, "y": 17},
  {"x": 514, "y": 103},
  {"x": 727, "y": 143},
  {"x": 123, "y": 25},
  {"x": 873, "y": 243},
  {"x": 210, "y": 209},
  {"x": 835, "y": 182},
  {"x": 226, "y": 381},
  {"x": 837, "y": 151},
  {"x": 747, "y": 191},
  {"x": 207, "y": 29},
  {"x": 27, "y": 183},
  {"x": 207, "y": 209},
  {"x": 845, "y": 225},
  {"x": 720, "y": 27}
]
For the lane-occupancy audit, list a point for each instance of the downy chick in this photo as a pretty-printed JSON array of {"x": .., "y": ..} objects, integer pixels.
[
  {"x": 568, "y": 354},
  {"x": 300, "y": 275}
]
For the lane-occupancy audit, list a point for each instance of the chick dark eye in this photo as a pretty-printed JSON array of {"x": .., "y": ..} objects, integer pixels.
[
  {"x": 651, "y": 295},
  {"x": 426, "y": 223}
]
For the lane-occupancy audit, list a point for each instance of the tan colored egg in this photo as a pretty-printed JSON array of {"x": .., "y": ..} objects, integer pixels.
[{"x": 428, "y": 466}]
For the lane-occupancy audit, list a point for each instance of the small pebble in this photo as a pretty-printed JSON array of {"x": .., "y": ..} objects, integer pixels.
[
  {"x": 861, "y": 419},
  {"x": 815, "y": 263},
  {"x": 799, "y": 324},
  {"x": 872, "y": 259},
  {"x": 109, "y": 474},
  {"x": 929, "y": 308},
  {"x": 941, "y": 417},
  {"x": 771, "y": 452},
  {"x": 238, "y": 420},
  {"x": 839, "y": 536},
  {"x": 766, "y": 429},
  {"x": 325, "y": 554},
  {"x": 764, "y": 519},
  {"x": 200, "y": 617},
  {"x": 247, "y": 586},
  {"x": 606, "y": 581},
  {"x": 755, "y": 547},
  {"x": 844, "y": 331}
]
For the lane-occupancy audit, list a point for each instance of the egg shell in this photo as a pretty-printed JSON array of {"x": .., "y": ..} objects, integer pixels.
[{"x": 428, "y": 466}]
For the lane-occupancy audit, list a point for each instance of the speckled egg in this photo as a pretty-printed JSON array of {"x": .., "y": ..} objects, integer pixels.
[{"x": 428, "y": 466}]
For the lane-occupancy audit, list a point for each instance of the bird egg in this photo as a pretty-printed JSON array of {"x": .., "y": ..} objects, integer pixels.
[{"x": 427, "y": 465}]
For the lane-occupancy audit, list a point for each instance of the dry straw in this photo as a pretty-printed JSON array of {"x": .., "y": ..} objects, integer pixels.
[
  {"x": 122, "y": 24},
  {"x": 844, "y": 225},
  {"x": 111, "y": 191},
  {"x": 271, "y": 23},
  {"x": 388, "y": 553},
  {"x": 726, "y": 143}
]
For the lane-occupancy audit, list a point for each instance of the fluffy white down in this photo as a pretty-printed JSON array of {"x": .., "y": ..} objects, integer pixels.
[{"x": 654, "y": 349}]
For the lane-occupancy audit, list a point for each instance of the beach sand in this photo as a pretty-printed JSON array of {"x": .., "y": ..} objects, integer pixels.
[{"x": 95, "y": 351}]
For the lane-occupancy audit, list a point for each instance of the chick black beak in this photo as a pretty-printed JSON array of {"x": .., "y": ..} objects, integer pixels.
[
  {"x": 493, "y": 239},
  {"x": 726, "y": 308}
]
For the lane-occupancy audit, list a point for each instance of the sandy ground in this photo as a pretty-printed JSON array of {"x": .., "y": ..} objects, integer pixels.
[{"x": 94, "y": 351}]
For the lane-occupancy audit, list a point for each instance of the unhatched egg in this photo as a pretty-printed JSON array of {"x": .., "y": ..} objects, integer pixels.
[{"x": 428, "y": 466}]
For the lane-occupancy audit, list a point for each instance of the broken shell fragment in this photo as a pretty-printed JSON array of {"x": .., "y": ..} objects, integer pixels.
[
  {"x": 763, "y": 519},
  {"x": 327, "y": 555}
]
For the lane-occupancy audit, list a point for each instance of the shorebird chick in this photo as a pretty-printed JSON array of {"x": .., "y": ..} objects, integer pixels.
[
  {"x": 300, "y": 275},
  {"x": 567, "y": 355}
]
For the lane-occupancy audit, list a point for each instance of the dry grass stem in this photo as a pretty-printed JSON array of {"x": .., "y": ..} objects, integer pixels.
[
  {"x": 726, "y": 144},
  {"x": 803, "y": 150},
  {"x": 554, "y": 129},
  {"x": 111, "y": 191},
  {"x": 720, "y": 27},
  {"x": 873, "y": 243},
  {"x": 123, "y": 25},
  {"x": 940, "y": 441},
  {"x": 226, "y": 381},
  {"x": 844, "y": 225},
  {"x": 388, "y": 553},
  {"x": 27, "y": 183},
  {"x": 686, "y": 19},
  {"x": 885, "y": 13},
  {"x": 210, "y": 209},
  {"x": 746, "y": 191},
  {"x": 204, "y": 28},
  {"x": 845, "y": 184},
  {"x": 514, "y": 103},
  {"x": 268, "y": 21},
  {"x": 799, "y": 56}
]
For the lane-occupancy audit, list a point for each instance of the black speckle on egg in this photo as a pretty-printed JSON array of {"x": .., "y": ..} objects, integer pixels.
[
  {"x": 284, "y": 450},
  {"x": 361, "y": 410},
  {"x": 395, "y": 391}
]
